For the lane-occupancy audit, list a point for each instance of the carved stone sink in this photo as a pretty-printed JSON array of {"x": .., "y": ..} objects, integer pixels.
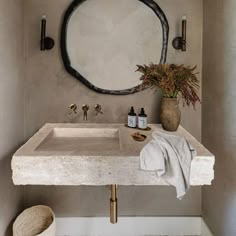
[
  {"x": 96, "y": 154},
  {"x": 92, "y": 140}
]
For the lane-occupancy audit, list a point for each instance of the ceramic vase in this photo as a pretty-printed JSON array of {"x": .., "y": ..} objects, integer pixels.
[{"x": 170, "y": 114}]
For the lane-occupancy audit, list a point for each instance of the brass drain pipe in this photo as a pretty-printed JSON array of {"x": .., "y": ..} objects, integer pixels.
[{"x": 113, "y": 205}]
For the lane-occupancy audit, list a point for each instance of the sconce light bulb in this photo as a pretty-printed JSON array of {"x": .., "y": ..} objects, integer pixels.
[
  {"x": 184, "y": 18},
  {"x": 44, "y": 17}
]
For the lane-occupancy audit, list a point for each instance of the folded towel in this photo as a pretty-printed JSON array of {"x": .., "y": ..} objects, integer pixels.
[{"x": 170, "y": 156}]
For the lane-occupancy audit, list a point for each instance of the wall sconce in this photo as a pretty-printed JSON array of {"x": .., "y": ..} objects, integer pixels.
[
  {"x": 179, "y": 43},
  {"x": 46, "y": 43}
]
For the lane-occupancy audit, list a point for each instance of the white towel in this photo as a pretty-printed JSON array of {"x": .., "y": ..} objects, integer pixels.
[{"x": 170, "y": 156}]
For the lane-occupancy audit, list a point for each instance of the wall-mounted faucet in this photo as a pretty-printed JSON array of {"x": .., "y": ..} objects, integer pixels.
[
  {"x": 73, "y": 110},
  {"x": 85, "y": 108}
]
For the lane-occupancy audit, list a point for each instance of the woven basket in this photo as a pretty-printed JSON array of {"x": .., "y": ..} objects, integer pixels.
[{"x": 35, "y": 221}]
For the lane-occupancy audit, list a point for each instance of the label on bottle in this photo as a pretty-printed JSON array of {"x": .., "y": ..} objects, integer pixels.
[
  {"x": 142, "y": 122},
  {"x": 132, "y": 121}
]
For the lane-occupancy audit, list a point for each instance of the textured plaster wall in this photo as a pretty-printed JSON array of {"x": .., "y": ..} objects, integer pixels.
[
  {"x": 219, "y": 113},
  {"x": 12, "y": 107},
  {"x": 49, "y": 91}
]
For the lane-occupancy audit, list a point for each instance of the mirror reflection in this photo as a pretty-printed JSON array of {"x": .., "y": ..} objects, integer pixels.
[{"x": 106, "y": 39}]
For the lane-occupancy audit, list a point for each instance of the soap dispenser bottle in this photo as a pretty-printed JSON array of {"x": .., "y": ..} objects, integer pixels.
[
  {"x": 142, "y": 120},
  {"x": 132, "y": 118}
]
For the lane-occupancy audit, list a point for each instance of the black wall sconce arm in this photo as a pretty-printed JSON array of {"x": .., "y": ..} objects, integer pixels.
[
  {"x": 46, "y": 43},
  {"x": 179, "y": 43}
]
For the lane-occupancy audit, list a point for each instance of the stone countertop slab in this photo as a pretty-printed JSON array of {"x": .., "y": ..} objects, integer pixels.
[{"x": 57, "y": 155}]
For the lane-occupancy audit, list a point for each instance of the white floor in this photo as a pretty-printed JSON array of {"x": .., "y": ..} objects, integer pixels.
[{"x": 133, "y": 226}]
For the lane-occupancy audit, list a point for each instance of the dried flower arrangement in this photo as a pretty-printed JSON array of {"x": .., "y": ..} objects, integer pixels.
[{"x": 172, "y": 79}]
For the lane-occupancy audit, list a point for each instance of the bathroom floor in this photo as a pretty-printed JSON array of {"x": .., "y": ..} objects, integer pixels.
[
  {"x": 132, "y": 226},
  {"x": 133, "y": 235}
]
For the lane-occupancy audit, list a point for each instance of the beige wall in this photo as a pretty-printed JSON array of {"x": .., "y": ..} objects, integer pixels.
[
  {"x": 49, "y": 91},
  {"x": 219, "y": 113},
  {"x": 12, "y": 106}
]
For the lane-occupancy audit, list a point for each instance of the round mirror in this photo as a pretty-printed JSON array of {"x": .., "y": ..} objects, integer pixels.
[{"x": 102, "y": 41}]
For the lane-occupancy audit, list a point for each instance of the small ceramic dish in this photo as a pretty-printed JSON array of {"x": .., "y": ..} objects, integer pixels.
[{"x": 138, "y": 137}]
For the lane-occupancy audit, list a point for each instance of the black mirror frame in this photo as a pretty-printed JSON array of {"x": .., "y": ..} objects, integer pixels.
[{"x": 66, "y": 60}]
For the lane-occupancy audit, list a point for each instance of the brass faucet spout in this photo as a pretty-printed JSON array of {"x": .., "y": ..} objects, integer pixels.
[{"x": 85, "y": 108}]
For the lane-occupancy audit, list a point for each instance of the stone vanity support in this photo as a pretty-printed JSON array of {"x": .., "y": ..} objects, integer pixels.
[{"x": 97, "y": 155}]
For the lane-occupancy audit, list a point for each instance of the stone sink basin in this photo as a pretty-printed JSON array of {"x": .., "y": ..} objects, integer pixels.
[
  {"x": 79, "y": 140},
  {"x": 96, "y": 154}
]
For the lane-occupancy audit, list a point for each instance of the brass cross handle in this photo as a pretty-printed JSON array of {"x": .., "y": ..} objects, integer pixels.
[
  {"x": 73, "y": 108},
  {"x": 98, "y": 109}
]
